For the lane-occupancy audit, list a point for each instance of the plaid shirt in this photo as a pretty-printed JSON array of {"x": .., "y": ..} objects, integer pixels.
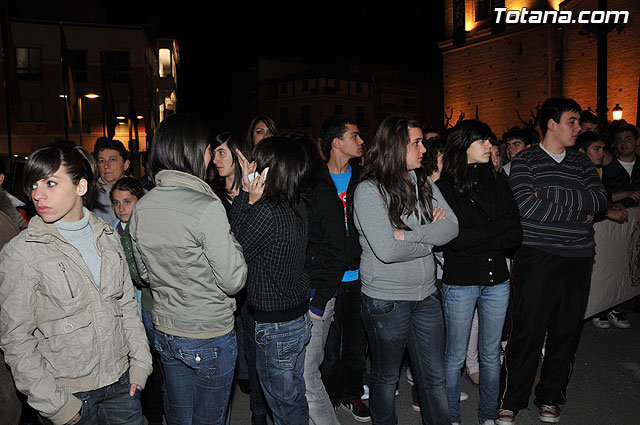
[
  {"x": 616, "y": 179},
  {"x": 274, "y": 243}
]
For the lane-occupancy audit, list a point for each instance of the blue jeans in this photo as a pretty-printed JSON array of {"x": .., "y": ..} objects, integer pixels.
[
  {"x": 321, "y": 410},
  {"x": 391, "y": 326},
  {"x": 280, "y": 364},
  {"x": 109, "y": 405},
  {"x": 459, "y": 304},
  {"x": 198, "y": 375}
]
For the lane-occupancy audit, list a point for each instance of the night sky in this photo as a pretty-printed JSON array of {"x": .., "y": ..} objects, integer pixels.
[
  {"x": 217, "y": 48},
  {"x": 219, "y": 45}
]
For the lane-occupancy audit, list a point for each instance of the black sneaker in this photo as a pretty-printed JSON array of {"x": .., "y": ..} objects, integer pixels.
[{"x": 358, "y": 410}]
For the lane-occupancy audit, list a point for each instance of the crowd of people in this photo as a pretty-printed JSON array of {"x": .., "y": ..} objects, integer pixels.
[{"x": 280, "y": 261}]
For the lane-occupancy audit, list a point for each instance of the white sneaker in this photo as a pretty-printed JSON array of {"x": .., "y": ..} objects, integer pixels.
[
  {"x": 365, "y": 394},
  {"x": 600, "y": 323},
  {"x": 463, "y": 396},
  {"x": 617, "y": 319},
  {"x": 409, "y": 376}
]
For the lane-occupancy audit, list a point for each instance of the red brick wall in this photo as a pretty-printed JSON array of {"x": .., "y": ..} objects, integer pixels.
[
  {"x": 623, "y": 61},
  {"x": 489, "y": 75}
]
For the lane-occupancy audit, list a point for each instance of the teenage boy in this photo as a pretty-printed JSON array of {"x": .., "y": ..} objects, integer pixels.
[
  {"x": 517, "y": 140},
  {"x": 621, "y": 177},
  {"x": 558, "y": 192},
  {"x": 332, "y": 263}
]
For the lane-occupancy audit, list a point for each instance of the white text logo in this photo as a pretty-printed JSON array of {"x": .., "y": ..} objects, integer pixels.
[{"x": 525, "y": 16}]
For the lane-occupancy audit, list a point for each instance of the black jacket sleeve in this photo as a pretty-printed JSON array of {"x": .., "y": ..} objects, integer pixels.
[{"x": 326, "y": 251}]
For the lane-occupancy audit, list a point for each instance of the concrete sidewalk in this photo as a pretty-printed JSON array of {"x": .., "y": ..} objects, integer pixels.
[{"x": 604, "y": 388}]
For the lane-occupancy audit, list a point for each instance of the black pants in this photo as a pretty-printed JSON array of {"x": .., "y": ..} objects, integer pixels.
[
  {"x": 549, "y": 295},
  {"x": 346, "y": 348},
  {"x": 257, "y": 401}
]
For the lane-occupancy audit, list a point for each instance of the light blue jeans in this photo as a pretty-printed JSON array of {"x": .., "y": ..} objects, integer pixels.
[
  {"x": 320, "y": 407},
  {"x": 459, "y": 303}
]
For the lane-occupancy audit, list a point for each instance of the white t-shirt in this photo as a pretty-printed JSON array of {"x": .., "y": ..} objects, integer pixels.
[
  {"x": 557, "y": 157},
  {"x": 628, "y": 166}
]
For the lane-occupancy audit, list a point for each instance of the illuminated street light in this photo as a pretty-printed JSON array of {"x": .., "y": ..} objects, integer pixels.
[{"x": 617, "y": 112}]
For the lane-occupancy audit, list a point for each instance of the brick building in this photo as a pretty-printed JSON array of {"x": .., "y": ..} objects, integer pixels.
[
  {"x": 503, "y": 72},
  {"x": 126, "y": 53}
]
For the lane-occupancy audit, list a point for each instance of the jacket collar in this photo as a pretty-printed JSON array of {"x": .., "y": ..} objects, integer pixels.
[
  {"x": 39, "y": 231},
  {"x": 178, "y": 178}
]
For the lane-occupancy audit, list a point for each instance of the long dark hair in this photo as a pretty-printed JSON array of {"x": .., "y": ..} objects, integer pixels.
[
  {"x": 179, "y": 144},
  {"x": 234, "y": 140},
  {"x": 77, "y": 162},
  {"x": 289, "y": 169},
  {"x": 386, "y": 165},
  {"x": 454, "y": 160}
]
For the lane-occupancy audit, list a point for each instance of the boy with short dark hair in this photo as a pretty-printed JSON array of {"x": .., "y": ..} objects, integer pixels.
[{"x": 558, "y": 192}]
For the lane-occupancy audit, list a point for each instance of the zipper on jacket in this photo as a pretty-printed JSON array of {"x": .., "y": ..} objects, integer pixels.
[{"x": 66, "y": 277}]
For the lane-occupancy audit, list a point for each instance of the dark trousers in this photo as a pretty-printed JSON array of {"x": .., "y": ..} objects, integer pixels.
[
  {"x": 11, "y": 407},
  {"x": 257, "y": 401},
  {"x": 549, "y": 295},
  {"x": 345, "y": 352},
  {"x": 151, "y": 397}
]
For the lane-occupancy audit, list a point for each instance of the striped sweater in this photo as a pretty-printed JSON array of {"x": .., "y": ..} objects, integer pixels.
[{"x": 556, "y": 201}]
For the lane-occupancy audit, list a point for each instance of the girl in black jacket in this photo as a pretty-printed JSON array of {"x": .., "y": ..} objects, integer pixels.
[{"x": 475, "y": 267}]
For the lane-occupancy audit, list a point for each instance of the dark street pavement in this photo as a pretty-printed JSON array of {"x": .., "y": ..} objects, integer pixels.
[{"x": 604, "y": 388}]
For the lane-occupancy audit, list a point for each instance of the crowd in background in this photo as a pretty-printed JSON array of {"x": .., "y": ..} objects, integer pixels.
[{"x": 279, "y": 261}]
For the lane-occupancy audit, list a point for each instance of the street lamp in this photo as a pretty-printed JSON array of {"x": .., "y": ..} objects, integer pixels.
[
  {"x": 617, "y": 112},
  {"x": 88, "y": 96}
]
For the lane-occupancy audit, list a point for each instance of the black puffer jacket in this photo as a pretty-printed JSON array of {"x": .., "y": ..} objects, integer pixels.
[
  {"x": 332, "y": 249},
  {"x": 489, "y": 225}
]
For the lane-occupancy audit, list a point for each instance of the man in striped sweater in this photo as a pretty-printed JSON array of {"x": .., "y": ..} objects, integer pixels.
[{"x": 558, "y": 192}]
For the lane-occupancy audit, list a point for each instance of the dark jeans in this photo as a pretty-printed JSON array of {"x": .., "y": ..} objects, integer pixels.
[
  {"x": 392, "y": 326},
  {"x": 280, "y": 363},
  {"x": 198, "y": 376},
  {"x": 345, "y": 352},
  {"x": 549, "y": 296},
  {"x": 11, "y": 406},
  {"x": 110, "y": 405},
  {"x": 257, "y": 402},
  {"x": 151, "y": 398}
]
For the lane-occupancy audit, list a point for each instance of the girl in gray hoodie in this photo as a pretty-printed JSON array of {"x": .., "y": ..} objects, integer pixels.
[{"x": 400, "y": 215}]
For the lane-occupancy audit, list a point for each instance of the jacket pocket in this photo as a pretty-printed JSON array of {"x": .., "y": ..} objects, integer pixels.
[
  {"x": 118, "y": 330},
  {"x": 69, "y": 344}
]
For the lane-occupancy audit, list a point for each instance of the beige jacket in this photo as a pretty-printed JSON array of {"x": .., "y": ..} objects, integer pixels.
[
  {"x": 59, "y": 332},
  {"x": 184, "y": 248}
]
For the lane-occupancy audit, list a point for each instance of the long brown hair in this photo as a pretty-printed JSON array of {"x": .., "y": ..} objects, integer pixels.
[{"x": 386, "y": 165}]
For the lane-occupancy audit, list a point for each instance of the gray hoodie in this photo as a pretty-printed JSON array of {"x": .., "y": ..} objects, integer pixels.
[{"x": 398, "y": 270}]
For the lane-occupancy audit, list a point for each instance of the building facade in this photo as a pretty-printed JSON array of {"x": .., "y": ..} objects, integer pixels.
[
  {"x": 504, "y": 72},
  {"x": 140, "y": 73}
]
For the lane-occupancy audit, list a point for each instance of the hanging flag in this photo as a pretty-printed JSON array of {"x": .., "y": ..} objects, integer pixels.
[
  {"x": 109, "y": 115},
  {"x": 133, "y": 116},
  {"x": 68, "y": 88},
  {"x": 10, "y": 65}
]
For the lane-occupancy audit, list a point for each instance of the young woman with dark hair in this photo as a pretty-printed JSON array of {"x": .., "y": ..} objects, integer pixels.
[
  {"x": 261, "y": 127},
  {"x": 270, "y": 222},
  {"x": 400, "y": 216},
  {"x": 475, "y": 267},
  {"x": 68, "y": 322},
  {"x": 227, "y": 181},
  {"x": 227, "y": 184},
  {"x": 185, "y": 250}
]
